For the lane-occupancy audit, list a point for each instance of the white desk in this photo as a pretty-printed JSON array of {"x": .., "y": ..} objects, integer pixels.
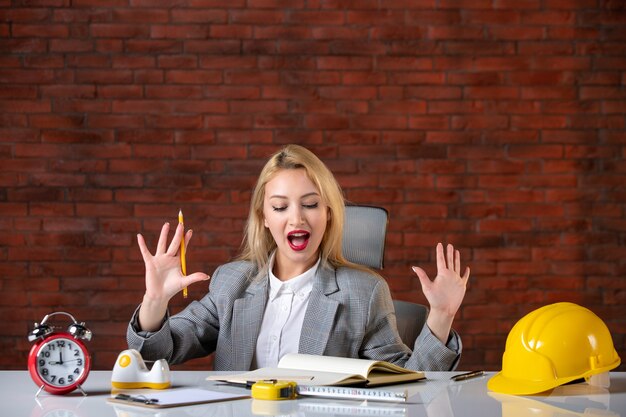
[{"x": 436, "y": 398}]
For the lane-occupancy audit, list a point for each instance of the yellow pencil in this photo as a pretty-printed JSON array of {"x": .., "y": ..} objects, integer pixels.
[{"x": 183, "y": 263}]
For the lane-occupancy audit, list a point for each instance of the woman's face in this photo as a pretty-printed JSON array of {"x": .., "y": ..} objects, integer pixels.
[{"x": 296, "y": 217}]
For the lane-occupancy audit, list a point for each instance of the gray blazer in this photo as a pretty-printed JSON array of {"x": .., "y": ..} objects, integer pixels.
[{"x": 350, "y": 314}]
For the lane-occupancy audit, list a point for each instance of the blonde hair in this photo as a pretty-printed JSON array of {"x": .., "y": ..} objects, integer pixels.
[{"x": 258, "y": 243}]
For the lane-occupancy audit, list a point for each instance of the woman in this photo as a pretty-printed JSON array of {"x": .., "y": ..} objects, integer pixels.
[{"x": 291, "y": 289}]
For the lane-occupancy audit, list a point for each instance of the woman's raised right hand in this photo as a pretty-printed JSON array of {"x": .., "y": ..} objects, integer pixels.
[{"x": 164, "y": 278}]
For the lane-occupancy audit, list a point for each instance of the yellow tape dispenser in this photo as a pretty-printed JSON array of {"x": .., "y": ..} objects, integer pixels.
[{"x": 273, "y": 389}]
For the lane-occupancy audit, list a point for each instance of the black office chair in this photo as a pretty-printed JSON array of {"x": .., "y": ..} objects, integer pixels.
[
  {"x": 364, "y": 233},
  {"x": 410, "y": 318}
]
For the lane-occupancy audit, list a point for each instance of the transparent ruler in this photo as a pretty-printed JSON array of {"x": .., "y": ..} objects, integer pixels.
[{"x": 349, "y": 393}]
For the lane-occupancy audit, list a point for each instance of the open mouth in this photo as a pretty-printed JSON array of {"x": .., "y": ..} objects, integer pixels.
[{"x": 298, "y": 239}]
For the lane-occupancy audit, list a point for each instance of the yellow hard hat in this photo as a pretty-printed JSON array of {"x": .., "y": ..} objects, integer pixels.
[{"x": 551, "y": 346}]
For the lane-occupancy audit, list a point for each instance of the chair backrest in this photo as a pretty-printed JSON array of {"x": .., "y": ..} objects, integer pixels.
[
  {"x": 364, "y": 243},
  {"x": 364, "y": 233},
  {"x": 410, "y": 318}
]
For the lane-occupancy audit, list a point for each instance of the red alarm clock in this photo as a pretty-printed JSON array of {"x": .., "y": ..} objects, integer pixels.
[{"x": 59, "y": 361}]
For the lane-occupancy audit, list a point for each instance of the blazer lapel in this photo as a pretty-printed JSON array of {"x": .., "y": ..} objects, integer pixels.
[
  {"x": 247, "y": 319},
  {"x": 320, "y": 314}
]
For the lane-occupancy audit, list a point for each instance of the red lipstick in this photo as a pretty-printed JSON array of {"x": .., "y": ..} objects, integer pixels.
[{"x": 298, "y": 239}]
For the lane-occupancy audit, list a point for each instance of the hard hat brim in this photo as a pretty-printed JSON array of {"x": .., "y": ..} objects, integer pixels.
[{"x": 502, "y": 384}]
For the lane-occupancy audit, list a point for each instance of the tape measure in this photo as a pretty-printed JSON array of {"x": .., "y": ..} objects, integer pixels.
[{"x": 273, "y": 389}]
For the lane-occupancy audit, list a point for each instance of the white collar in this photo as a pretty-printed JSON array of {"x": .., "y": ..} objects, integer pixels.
[{"x": 302, "y": 282}]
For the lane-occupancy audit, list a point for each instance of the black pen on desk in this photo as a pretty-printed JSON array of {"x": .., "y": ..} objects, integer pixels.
[
  {"x": 247, "y": 384},
  {"x": 467, "y": 375},
  {"x": 138, "y": 399}
]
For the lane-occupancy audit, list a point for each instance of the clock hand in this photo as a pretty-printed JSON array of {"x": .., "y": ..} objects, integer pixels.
[{"x": 60, "y": 357}]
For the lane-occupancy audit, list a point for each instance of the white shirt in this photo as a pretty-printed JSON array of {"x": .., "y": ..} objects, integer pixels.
[{"x": 283, "y": 318}]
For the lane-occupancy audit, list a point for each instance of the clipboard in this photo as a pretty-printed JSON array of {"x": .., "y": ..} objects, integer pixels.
[{"x": 175, "y": 398}]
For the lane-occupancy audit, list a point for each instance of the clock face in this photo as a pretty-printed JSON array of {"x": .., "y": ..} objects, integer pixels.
[{"x": 61, "y": 362}]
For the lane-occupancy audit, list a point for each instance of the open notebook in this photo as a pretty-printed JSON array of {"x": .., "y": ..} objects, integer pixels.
[{"x": 328, "y": 370}]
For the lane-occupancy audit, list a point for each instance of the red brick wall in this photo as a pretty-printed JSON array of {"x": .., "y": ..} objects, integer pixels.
[{"x": 496, "y": 125}]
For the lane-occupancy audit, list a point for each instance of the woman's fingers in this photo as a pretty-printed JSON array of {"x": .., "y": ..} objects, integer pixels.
[
  {"x": 175, "y": 243},
  {"x": 145, "y": 253},
  {"x": 423, "y": 277},
  {"x": 162, "y": 243},
  {"x": 163, "y": 238},
  {"x": 187, "y": 280},
  {"x": 451, "y": 260},
  {"x": 441, "y": 260},
  {"x": 188, "y": 237}
]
